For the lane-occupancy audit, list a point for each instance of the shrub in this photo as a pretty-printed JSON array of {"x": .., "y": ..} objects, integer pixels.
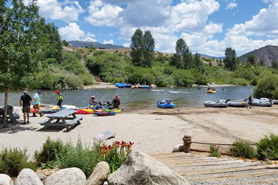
[
  {"x": 49, "y": 153},
  {"x": 267, "y": 87},
  {"x": 12, "y": 161},
  {"x": 214, "y": 151},
  {"x": 115, "y": 154},
  {"x": 80, "y": 157},
  {"x": 242, "y": 149},
  {"x": 267, "y": 148}
]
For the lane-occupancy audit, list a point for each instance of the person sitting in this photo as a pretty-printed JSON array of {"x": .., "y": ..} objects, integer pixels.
[
  {"x": 116, "y": 102},
  {"x": 93, "y": 101}
]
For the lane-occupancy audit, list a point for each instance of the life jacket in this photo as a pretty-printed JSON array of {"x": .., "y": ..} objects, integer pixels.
[
  {"x": 118, "y": 99},
  {"x": 59, "y": 97}
]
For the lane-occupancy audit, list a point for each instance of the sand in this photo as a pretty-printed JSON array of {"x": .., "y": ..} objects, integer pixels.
[{"x": 154, "y": 131}]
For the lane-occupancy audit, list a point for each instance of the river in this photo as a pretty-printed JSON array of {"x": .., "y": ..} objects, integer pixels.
[{"x": 139, "y": 98}]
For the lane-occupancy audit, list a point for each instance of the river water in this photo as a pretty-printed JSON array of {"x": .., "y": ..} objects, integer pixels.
[{"x": 139, "y": 98}]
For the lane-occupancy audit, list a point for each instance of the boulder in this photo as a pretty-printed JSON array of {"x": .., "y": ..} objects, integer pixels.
[
  {"x": 5, "y": 180},
  {"x": 99, "y": 174},
  {"x": 28, "y": 177},
  {"x": 67, "y": 176},
  {"x": 139, "y": 168}
]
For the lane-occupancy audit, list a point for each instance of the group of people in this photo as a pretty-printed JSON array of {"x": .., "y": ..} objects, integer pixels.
[
  {"x": 211, "y": 88},
  {"x": 25, "y": 102},
  {"x": 115, "y": 102}
]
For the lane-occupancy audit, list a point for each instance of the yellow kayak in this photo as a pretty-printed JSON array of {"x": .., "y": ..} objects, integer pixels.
[{"x": 210, "y": 91}]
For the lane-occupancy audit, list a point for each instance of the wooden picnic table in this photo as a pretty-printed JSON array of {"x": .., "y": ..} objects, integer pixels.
[{"x": 64, "y": 118}]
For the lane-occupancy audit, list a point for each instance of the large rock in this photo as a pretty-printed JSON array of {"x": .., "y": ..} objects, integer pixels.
[
  {"x": 99, "y": 174},
  {"x": 28, "y": 177},
  {"x": 139, "y": 168},
  {"x": 5, "y": 180},
  {"x": 67, "y": 176}
]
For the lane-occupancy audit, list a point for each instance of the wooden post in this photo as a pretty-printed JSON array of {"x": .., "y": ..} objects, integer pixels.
[{"x": 186, "y": 144}]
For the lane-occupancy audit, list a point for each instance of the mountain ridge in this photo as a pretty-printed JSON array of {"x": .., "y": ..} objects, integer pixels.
[{"x": 267, "y": 53}]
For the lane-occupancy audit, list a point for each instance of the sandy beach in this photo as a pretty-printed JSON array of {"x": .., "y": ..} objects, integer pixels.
[{"x": 154, "y": 131}]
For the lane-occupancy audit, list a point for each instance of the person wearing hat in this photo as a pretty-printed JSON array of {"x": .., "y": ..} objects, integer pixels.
[
  {"x": 36, "y": 103},
  {"x": 116, "y": 102},
  {"x": 94, "y": 101},
  {"x": 59, "y": 98},
  {"x": 25, "y": 101}
]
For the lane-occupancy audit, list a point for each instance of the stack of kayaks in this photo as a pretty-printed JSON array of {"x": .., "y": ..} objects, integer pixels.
[
  {"x": 219, "y": 103},
  {"x": 163, "y": 103},
  {"x": 106, "y": 112},
  {"x": 263, "y": 102},
  {"x": 237, "y": 104},
  {"x": 84, "y": 111}
]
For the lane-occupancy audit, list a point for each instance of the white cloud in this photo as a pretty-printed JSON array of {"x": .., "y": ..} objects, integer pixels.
[
  {"x": 231, "y": 5},
  {"x": 103, "y": 15},
  {"x": 264, "y": 23},
  {"x": 127, "y": 45},
  {"x": 73, "y": 32},
  {"x": 108, "y": 42},
  {"x": 66, "y": 11}
]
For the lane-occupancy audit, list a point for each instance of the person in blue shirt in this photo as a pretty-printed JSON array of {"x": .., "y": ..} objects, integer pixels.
[{"x": 36, "y": 104}]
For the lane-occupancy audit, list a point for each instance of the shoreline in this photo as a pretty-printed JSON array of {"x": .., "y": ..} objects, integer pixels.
[{"x": 154, "y": 131}]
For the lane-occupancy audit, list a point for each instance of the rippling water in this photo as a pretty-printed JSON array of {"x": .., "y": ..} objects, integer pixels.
[{"x": 139, "y": 98}]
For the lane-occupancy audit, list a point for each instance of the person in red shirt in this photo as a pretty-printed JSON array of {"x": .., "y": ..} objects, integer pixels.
[{"x": 116, "y": 101}]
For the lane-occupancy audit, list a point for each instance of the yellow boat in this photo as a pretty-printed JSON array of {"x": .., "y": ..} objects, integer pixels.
[{"x": 210, "y": 91}]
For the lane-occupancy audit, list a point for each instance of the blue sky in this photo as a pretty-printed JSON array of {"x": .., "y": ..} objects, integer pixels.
[{"x": 207, "y": 26}]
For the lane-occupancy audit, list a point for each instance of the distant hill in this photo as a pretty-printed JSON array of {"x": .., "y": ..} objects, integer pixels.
[
  {"x": 208, "y": 56},
  {"x": 267, "y": 54},
  {"x": 86, "y": 44}
]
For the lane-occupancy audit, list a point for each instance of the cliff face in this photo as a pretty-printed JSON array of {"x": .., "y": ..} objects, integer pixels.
[{"x": 267, "y": 54}]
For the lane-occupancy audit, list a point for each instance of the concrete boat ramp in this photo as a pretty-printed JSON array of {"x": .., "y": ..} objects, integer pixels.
[{"x": 199, "y": 169}]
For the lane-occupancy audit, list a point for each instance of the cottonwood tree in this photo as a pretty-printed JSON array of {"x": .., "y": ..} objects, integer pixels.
[
  {"x": 230, "y": 61},
  {"x": 21, "y": 28},
  {"x": 142, "y": 48},
  {"x": 177, "y": 59},
  {"x": 148, "y": 49}
]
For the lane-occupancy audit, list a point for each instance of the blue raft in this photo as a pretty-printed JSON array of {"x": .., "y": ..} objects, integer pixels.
[{"x": 165, "y": 104}]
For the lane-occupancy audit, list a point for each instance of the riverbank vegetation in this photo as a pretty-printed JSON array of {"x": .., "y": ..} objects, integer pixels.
[{"x": 46, "y": 62}]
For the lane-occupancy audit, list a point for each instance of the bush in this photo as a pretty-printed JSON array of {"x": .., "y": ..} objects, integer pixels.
[
  {"x": 214, "y": 151},
  {"x": 267, "y": 87},
  {"x": 242, "y": 149},
  {"x": 49, "y": 153},
  {"x": 80, "y": 157},
  {"x": 267, "y": 148},
  {"x": 12, "y": 161}
]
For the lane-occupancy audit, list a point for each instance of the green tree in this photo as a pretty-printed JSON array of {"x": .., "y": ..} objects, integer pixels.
[
  {"x": 20, "y": 32},
  {"x": 231, "y": 61},
  {"x": 251, "y": 59},
  {"x": 197, "y": 62},
  {"x": 274, "y": 64},
  {"x": 177, "y": 59},
  {"x": 65, "y": 43},
  {"x": 261, "y": 62},
  {"x": 137, "y": 45},
  {"x": 142, "y": 48},
  {"x": 148, "y": 50}
]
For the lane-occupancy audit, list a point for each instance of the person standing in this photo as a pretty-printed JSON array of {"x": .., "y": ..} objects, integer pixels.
[
  {"x": 36, "y": 104},
  {"x": 25, "y": 101},
  {"x": 59, "y": 98},
  {"x": 116, "y": 102}
]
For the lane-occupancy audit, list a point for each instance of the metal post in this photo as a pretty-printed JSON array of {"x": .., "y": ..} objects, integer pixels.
[{"x": 186, "y": 143}]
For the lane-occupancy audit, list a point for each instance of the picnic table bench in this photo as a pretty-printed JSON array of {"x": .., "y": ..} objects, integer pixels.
[
  {"x": 64, "y": 118},
  {"x": 11, "y": 117}
]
